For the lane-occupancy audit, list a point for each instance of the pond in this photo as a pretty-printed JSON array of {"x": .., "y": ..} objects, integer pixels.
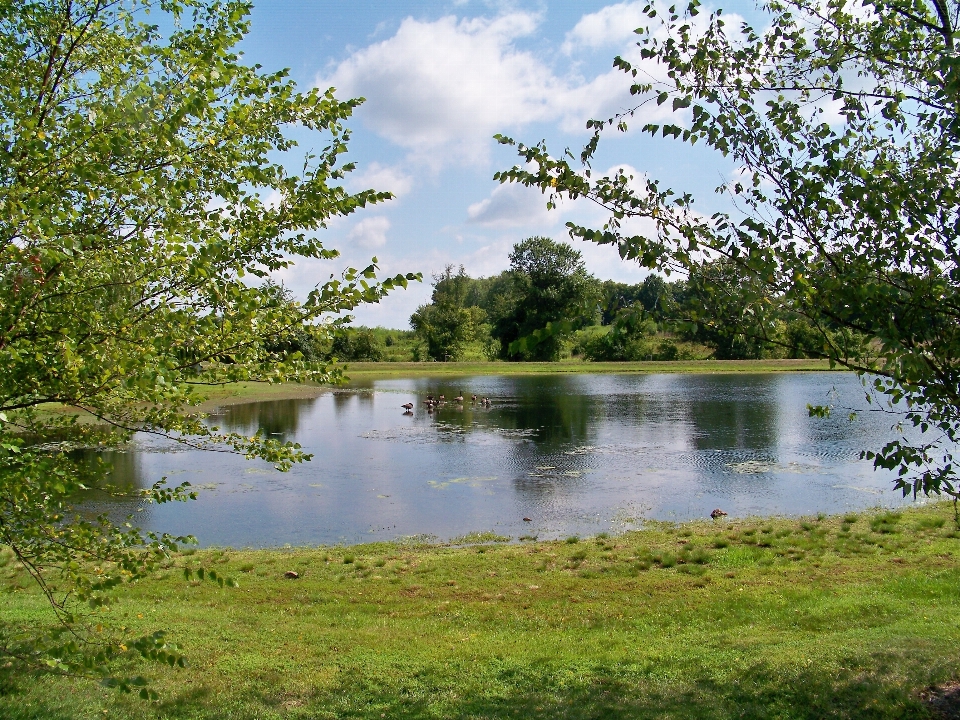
[{"x": 551, "y": 456}]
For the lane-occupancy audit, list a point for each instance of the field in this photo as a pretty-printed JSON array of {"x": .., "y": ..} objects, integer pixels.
[
  {"x": 854, "y": 616},
  {"x": 359, "y": 369}
]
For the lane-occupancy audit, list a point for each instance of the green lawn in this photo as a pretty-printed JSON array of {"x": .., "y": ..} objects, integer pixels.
[
  {"x": 360, "y": 369},
  {"x": 850, "y": 616}
]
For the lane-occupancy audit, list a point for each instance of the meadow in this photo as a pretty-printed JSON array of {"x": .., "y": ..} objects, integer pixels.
[{"x": 843, "y": 616}]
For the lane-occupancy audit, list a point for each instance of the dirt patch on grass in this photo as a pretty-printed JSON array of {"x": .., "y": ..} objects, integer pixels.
[{"x": 943, "y": 701}]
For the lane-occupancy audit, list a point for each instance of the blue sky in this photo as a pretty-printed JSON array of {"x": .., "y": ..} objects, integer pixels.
[{"x": 440, "y": 79}]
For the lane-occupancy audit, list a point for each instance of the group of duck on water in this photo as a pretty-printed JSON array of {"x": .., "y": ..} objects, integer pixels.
[{"x": 436, "y": 402}]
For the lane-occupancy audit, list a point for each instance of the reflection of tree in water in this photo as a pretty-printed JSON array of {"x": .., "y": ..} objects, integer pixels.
[
  {"x": 734, "y": 413},
  {"x": 276, "y": 417},
  {"x": 343, "y": 399},
  {"x": 113, "y": 476},
  {"x": 545, "y": 406}
]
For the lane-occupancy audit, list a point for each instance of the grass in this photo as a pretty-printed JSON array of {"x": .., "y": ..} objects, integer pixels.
[
  {"x": 364, "y": 370},
  {"x": 851, "y": 616}
]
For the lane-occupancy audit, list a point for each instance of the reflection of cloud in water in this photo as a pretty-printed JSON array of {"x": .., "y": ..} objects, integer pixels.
[
  {"x": 468, "y": 481},
  {"x": 544, "y": 473},
  {"x": 443, "y": 432},
  {"x": 872, "y": 491},
  {"x": 411, "y": 434},
  {"x": 515, "y": 433},
  {"x": 758, "y": 467}
]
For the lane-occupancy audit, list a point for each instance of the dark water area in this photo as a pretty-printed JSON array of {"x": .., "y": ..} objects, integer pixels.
[{"x": 577, "y": 454}]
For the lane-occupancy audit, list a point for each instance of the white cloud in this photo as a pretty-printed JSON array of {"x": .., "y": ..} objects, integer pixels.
[
  {"x": 381, "y": 177},
  {"x": 370, "y": 233},
  {"x": 515, "y": 205},
  {"x": 447, "y": 86},
  {"x": 442, "y": 89},
  {"x": 510, "y": 205},
  {"x": 637, "y": 181},
  {"x": 611, "y": 25}
]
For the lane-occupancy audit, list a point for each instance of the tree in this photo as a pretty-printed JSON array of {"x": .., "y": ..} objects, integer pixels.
[
  {"x": 551, "y": 294},
  {"x": 359, "y": 344},
  {"x": 729, "y": 311},
  {"x": 616, "y": 297},
  {"x": 133, "y": 170},
  {"x": 655, "y": 294},
  {"x": 448, "y": 324},
  {"x": 849, "y": 220}
]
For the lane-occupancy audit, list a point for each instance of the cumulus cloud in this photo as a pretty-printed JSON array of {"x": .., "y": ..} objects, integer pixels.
[
  {"x": 370, "y": 233},
  {"x": 448, "y": 84},
  {"x": 637, "y": 181},
  {"x": 382, "y": 177},
  {"x": 441, "y": 89},
  {"x": 510, "y": 205},
  {"x": 515, "y": 205},
  {"x": 611, "y": 25}
]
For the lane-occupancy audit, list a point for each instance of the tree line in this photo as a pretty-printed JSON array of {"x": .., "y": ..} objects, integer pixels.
[{"x": 546, "y": 303}]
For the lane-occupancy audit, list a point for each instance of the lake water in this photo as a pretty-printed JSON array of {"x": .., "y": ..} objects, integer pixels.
[{"x": 576, "y": 454}]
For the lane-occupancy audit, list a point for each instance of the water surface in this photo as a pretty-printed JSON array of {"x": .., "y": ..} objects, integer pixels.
[{"x": 576, "y": 454}]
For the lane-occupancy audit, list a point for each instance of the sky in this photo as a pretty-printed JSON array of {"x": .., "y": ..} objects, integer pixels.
[{"x": 440, "y": 79}]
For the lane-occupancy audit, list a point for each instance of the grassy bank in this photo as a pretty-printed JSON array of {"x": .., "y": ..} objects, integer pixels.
[
  {"x": 851, "y": 616},
  {"x": 360, "y": 369}
]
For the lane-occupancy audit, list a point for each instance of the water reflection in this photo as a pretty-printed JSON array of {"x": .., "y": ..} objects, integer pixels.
[
  {"x": 576, "y": 453},
  {"x": 276, "y": 417}
]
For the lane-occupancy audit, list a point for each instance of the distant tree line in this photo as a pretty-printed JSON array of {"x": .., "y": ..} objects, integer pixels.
[{"x": 546, "y": 303}]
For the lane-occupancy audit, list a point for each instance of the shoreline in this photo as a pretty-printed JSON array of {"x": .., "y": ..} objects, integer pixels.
[{"x": 238, "y": 393}]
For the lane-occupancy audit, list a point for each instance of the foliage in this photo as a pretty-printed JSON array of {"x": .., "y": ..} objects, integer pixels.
[
  {"x": 616, "y": 296},
  {"x": 358, "y": 344},
  {"x": 550, "y": 294},
  {"x": 730, "y": 311},
  {"x": 448, "y": 324},
  {"x": 847, "y": 219},
  {"x": 133, "y": 167}
]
